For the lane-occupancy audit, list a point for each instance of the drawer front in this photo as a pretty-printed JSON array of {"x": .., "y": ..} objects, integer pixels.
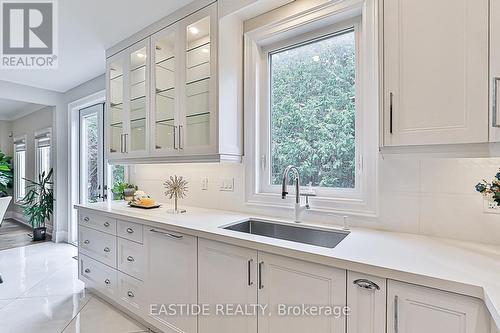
[
  {"x": 98, "y": 222},
  {"x": 98, "y": 276},
  {"x": 131, "y": 293},
  {"x": 97, "y": 245},
  {"x": 131, "y": 231},
  {"x": 131, "y": 258}
]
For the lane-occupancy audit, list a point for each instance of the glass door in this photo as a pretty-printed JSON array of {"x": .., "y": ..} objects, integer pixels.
[
  {"x": 197, "y": 126},
  {"x": 115, "y": 106},
  {"x": 165, "y": 77},
  {"x": 92, "y": 187}
]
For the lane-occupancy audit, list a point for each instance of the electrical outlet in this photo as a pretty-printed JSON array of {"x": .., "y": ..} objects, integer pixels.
[
  {"x": 204, "y": 184},
  {"x": 491, "y": 207},
  {"x": 227, "y": 184}
]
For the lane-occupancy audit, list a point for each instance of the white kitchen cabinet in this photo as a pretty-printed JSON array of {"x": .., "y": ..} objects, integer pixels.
[
  {"x": 132, "y": 294},
  {"x": 226, "y": 275},
  {"x": 127, "y": 105},
  {"x": 366, "y": 299},
  {"x": 495, "y": 70},
  {"x": 416, "y": 309},
  {"x": 290, "y": 282},
  {"x": 171, "y": 278},
  {"x": 435, "y": 72},
  {"x": 98, "y": 276}
]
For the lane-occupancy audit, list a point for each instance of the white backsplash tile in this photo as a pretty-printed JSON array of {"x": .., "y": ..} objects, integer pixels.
[{"x": 431, "y": 196}]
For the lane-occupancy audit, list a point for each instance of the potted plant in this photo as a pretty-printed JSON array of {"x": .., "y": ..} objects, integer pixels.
[
  {"x": 6, "y": 174},
  {"x": 38, "y": 204},
  {"x": 123, "y": 191}
]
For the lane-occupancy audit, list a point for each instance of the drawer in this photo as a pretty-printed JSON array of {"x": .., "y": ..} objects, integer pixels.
[
  {"x": 131, "y": 258},
  {"x": 131, "y": 231},
  {"x": 98, "y": 222},
  {"x": 131, "y": 294},
  {"x": 97, "y": 245},
  {"x": 97, "y": 276}
]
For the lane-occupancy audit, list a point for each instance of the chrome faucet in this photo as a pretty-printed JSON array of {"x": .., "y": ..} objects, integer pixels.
[{"x": 298, "y": 208}]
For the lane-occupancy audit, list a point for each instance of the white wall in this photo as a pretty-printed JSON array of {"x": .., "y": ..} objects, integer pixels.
[
  {"x": 5, "y": 140},
  {"x": 426, "y": 196}
]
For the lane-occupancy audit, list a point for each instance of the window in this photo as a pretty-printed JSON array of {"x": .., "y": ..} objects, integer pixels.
[
  {"x": 311, "y": 100},
  {"x": 43, "y": 152},
  {"x": 19, "y": 168},
  {"x": 313, "y": 111}
]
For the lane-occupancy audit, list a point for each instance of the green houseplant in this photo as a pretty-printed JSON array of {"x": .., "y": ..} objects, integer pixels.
[
  {"x": 123, "y": 191},
  {"x": 38, "y": 204},
  {"x": 6, "y": 174}
]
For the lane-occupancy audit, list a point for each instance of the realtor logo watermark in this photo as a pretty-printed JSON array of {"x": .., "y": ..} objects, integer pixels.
[{"x": 29, "y": 34}]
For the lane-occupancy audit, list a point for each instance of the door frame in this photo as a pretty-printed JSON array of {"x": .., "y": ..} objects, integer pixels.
[{"x": 73, "y": 160}]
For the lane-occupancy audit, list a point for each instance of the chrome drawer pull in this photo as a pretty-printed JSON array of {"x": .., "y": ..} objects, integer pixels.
[
  {"x": 87, "y": 270},
  {"x": 130, "y": 294},
  {"x": 86, "y": 219},
  {"x": 166, "y": 234},
  {"x": 106, "y": 224},
  {"x": 86, "y": 241},
  {"x": 130, "y": 258},
  {"x": 366, "y": 284},
  {"x": 107, "y": 281},
  {"x": 130, "y": 230},
  {"x": 106, "y": 249}
]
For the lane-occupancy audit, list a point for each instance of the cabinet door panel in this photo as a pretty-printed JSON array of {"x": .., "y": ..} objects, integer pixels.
[
  {"x": 495, "y": 70},
  {"x": 226, "y": 275},
  {"x": 290, "y": 282},
  {"x": 436, "y": 71},
  {"x": 366, "y": 299},
  {"x": 416, "y": 309},
  {"x": 115, "y": 119},
  {"x": 171, "y": 277}
]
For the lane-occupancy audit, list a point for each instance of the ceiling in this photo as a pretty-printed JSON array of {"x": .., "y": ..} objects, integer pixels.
[
  {"x": 12, "y": 110},
  {"x": 86, "y": 29}
]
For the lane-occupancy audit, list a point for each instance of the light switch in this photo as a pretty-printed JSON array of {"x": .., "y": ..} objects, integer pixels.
[
  {"x": 227, "y": 184},
  {"x": 204, "y": 184}
]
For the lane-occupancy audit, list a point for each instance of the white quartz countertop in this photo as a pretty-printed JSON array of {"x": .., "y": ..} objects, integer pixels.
[{"x": 463, "y": 267}]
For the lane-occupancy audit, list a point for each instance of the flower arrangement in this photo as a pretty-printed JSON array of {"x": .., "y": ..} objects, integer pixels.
[
  {"x": 176, "y": 187},
  {"x": 490, "y": 190}
]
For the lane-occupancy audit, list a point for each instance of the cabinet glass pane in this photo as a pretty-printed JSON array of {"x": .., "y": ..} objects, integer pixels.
[
  {"x": 165, "y": 92},
  {"x": 115, "y": 106},
  {"x": 198, "y": 83},
  {"x": 137, "y": 79}
]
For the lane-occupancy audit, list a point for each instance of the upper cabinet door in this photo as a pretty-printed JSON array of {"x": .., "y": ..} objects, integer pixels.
[
  {"x": 435, "y": 72},
  {"x": 137, "y": 97},
  {"x": 197, "y": 127},
  {"x": 115, "y": 119},
  {"x": 165, "y": 79},
  {"x": 495, "y": 70}
]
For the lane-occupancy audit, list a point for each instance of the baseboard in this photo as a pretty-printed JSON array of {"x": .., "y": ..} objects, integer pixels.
[{"x": 8, "y": 215}]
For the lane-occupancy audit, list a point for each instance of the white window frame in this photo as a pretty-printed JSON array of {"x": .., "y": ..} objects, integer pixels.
[
  {"x": 264, "y": 35},
  {"x": 17, "y": 185},
  {"x": 42, "y": 134}
]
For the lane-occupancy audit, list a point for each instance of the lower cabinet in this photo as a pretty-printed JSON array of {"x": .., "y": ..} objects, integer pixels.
[
  {"x": 366, "y": 300},
  {"x": 97, "y": 276},
  {"x": 132, "y": 294},
  {"x": 416, "y": 309},
  {"x": 171, "y": 279}
]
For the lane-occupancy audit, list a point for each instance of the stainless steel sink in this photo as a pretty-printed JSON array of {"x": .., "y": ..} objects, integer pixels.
[{"x": 294, "y": 233}]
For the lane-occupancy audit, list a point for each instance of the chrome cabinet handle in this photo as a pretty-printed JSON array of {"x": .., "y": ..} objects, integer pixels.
[
  {"x": 175, "y": 137},
  {"x": 122, "y": 149},
  {"x": 130, "y": 230},
  {"x": 106, "y": 224},
  {"x": 181, "y": 144},
  {"x": 494, "y": 116},
  {"x": 86, "y": 241},
  {"x": 87, "y": 270},
  {"x": 86, "y": 219},
  {"x": 366, "y": 284},
  {"x": 107, "y": 281},
  {"x": 250, "y": 282},
  {"x": 396, "y": 314},
  {"x": 107, "y": 249},
  {"x": 261, "y": 266},
  {"x": 130, "y": 294},
  {"x": 130, "y": 259},
  {"x": 391, "y": 95},
  {"x": 166, "y": 234}
]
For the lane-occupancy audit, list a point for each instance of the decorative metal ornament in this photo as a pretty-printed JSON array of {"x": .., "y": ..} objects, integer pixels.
[{"x": 176, "y": 187}]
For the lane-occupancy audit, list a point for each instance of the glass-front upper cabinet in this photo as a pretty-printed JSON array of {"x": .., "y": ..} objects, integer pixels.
[
  {"x": 138, "y": 100},
  {"x": 115, "y": 106},
  {"x": 164, "y": 101},
  {"x": 197, "y": 124}
]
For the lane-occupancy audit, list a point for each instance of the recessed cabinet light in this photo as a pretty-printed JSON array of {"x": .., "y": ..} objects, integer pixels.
[
  {"x": 194, "y": 30},
  {"x": 141, "y": 55}
]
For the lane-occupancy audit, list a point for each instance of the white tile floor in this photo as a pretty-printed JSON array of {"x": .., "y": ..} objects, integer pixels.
[{"x": 41, "y": 293}]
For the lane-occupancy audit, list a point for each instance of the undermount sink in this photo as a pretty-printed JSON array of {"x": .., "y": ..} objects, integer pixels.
[{"x": 294, "y": 233}]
